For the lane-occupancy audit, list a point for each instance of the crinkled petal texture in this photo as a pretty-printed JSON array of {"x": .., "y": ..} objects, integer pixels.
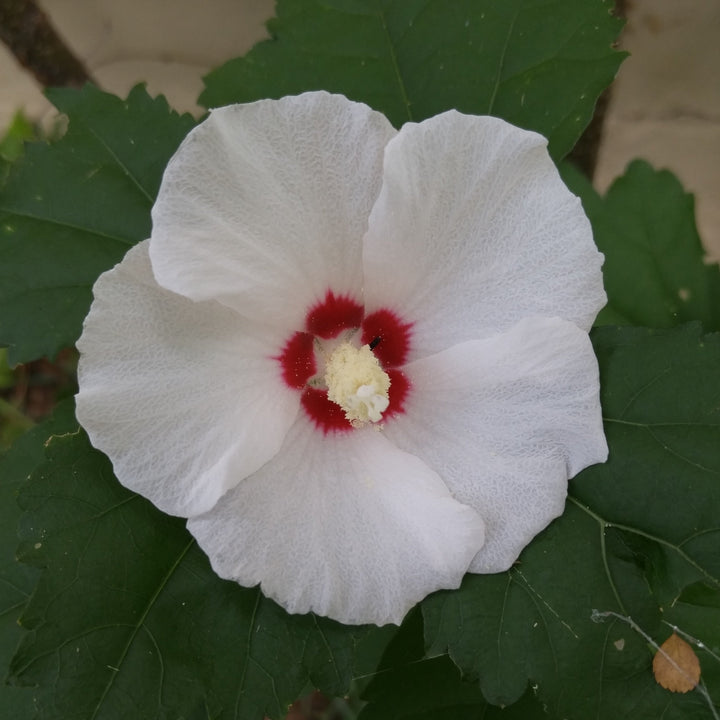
[
  {"x": 265, "y": 204},
  {"x": 344, "y": 525},
  {"x": 505, "y": 421},
  {"x": 458, "y": 228},
  {"x": 474, "y": 230},
  {"x": 183, "y": 397}
]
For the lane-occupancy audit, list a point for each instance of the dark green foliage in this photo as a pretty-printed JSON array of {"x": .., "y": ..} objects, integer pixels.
[
  {"x": 71, "y": 210},
  {"x": 539, "y": 65}
]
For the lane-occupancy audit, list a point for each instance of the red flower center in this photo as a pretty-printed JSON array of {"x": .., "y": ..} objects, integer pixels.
[{"x": 382, "y": 330}]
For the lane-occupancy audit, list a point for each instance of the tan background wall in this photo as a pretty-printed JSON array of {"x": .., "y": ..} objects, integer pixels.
[{"x": 666, "y": 102}]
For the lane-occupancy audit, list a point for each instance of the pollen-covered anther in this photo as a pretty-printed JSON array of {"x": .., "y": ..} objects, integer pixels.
[{"x": 357, "y": 383}]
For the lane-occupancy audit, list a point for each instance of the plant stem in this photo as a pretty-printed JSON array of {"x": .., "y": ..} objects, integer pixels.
[
  {"x": 28, "y": 33},
  {"x": 10, "y": 413}
]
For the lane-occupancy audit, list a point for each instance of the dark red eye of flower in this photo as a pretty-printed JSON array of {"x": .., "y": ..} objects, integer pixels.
[
  {"x": 334, "y": 314},
  {"x": 297, "y": 360},
  {"x": 394, "y": 344},
  {"x": 305, "y": 354}
]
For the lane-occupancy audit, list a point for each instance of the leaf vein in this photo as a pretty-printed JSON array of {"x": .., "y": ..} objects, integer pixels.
[
  {"x": 546, "y": 625},
  {"x": 251, "y": 625},
  {"x": 501, "y": 63},
  {"x": 649, "y": 384},
  {"x": 161, "y": 662},
  {"x": 327, "y": 647},
  {"x": 148, "y": 195},
  {"x": 141, "y": 620},
  {"x": 71, "y": 226},
  {"x": 680, "y": 456},
  {"x": 648, "y": 536},
  {"x": 395, "y": 65}
]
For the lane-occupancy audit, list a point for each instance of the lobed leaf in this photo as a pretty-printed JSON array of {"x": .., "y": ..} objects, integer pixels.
[
  {"x": 409, "y": 686},
  {"x": 129, "y": 621},
  {"x": 539, "y": 65},
  {"x": 656, "y": 273},
  {"x": 16, "y": 580},
  {"x": 70, "y": 210},
  {"x": 636, "y": 532}
]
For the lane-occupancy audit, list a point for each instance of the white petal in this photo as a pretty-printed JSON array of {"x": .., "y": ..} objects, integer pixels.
[
  {"x": 505, "y": 422},
  {"x": 473, "y": 230},
  {"x": 183, "y": 397},
  {"x": 346, "y": 526},
  {"x": 264, "y": 205}
]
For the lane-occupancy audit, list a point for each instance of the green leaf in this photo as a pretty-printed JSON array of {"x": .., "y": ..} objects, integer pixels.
[
  {"x": 70, "y": 211},
  {"x": 539, "y": 65},
  {"x": 16, "y": 580},
  {"x": 129, "y": 621},
  {"x": 425, "y": 691},
  {"x": 409, "y": 686},
  {"x": 12, "y": 142},
  {"x": 655, "y": 272},
  {"x": 426, "y": 688},
  {"x": 636, "y": 531}
]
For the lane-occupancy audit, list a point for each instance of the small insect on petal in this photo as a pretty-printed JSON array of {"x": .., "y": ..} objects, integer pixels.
[{"x": 676, "y": 666}]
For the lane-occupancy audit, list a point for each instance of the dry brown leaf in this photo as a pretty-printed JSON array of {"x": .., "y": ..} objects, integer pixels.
[{"x": 676, "y": 666}]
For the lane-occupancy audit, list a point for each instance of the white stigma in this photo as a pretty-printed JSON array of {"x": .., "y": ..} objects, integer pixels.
[{"x": 357, "y": 383}]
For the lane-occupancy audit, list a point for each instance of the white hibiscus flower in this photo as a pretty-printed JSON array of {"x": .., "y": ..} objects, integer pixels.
[{"x": 355, "y": 358}]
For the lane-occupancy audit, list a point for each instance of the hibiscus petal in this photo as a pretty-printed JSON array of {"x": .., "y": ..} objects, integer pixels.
[
  {"x": 473, "y": 230},
  {"x": 183, "y": 397},
  {"x": 269, "y": 201},
  {"x": 505, "y": 421},
  {"x": 346, "y": 526}
]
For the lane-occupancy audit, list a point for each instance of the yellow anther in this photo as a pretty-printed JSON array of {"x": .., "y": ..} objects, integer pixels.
[{"x": 357, "y": 383}]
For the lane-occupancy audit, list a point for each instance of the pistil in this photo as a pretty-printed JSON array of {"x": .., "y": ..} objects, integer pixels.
[{"x": 357, "y": 383}]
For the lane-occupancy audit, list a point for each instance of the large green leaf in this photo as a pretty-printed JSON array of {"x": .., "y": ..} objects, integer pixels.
[
  {"x": 655, "y": 272},
  {"x": 72, "y": 209},
  {"x": 17, "y": 580},
  {"x": 636, "y": 531},
  {"x": 541, "y": 65},
  {"x": 433, "y": 689},
  {"x": 409, "y": 686},
  {"x": 129, "y": 621}
]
